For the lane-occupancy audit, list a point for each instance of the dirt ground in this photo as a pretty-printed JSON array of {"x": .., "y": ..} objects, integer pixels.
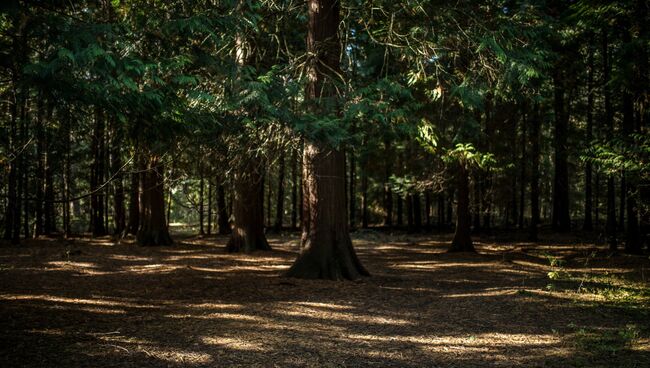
[{"x": 93, "y": 303}]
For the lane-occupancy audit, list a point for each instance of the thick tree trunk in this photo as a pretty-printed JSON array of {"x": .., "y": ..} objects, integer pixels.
[
  {"x": 248, "y": 210},
  {"x": 327, "y": 251},
  {"x": 279, "y": 204},
  {"x": 462, "y": 241},
  {"x": 153, "y": 229}
]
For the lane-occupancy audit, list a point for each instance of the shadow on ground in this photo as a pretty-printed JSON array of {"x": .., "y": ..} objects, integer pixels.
[{"x": 98, "y": 304}]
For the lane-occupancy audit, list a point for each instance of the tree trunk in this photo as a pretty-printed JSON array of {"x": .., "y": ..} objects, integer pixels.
[
  {"x": 610, "y": 227},
  {"x": 97, "y": 177},
  {"x": 561, "y": 219},
  {"x": 388, "y": 193},
  {"x": 295, "y": 183},
  {"x": 222, "y": 221},
  {"x": 534, "y": 173},
  {"x": 327, "y": 251},
  {"x": 134, "y": 195},
  {"x": 209, "y": 207},
  {"x": 119, "y": 214},
  {"x": 201, "y": 199},
  {"x": 279, "y": 205},
  {"x": 417, "y": 212},
  {"x": 522, "y": 184},
  {"x": 248, "y": 210},
  {"x": 364, "y": 194},
  {"x": 352, "y": 192},
  {"x": 153, "y": 229},
  {"x": 462, "y": 241},
  {"x": 588, "y": 224}
]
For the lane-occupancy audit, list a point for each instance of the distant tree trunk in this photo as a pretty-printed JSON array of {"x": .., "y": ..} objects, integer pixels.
[
  {"x": 561, "y": 219},
  {"x": 248, "y": 210},
  {"x": 640, "y": 89},
  {"x": 400, "y": 211},
  {"x": 621, "y": 202},
  {"x": 119, "y": 213},
  {"x": 534, "y": 173},
  {"x": 588, "y": 224},
  {"x": 450, "y": 202},
  {"x": 12, "y": 213},
  {"x": 628, "y": 180},
  {"x": 134, "y": 194},
  {"x": 364, "y": 191},
  {"x": 610, "y": 227},
  {"x": 409, "y": 212},
  {"x": 295, "y": 184},
  {"x": 352, "y": 192},
  {"x": 427, "y": 209},
  {"x": 97, "y": 176},
  {"x": 67, "y": 175},
  {"x": 327, "y": 251},
  {"x": 417, "y": 212},
  {"x": 462, "y": 241},
  {"x": 209, "y": 207},
  {"x": 441, "y": 210},
  {"x": 524, "y": 158},
  {"x": 477, "y": 203},
  {"x": 201, "y": 199},
  {"x": 40, "y": 167},
  {"x": 23, "y": 191},
  {"x": 279, "y": 204},
  {"x": 388, "y": 193},
  {"x": 268, "y": 198},
  {"x": 49, "y": 213},
  {"x": 222, "y": 221},
  {"x": 153, "y": 229}
]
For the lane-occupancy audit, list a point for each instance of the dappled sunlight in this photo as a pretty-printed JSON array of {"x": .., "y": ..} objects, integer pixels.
[{"x": 195, "y": 305}]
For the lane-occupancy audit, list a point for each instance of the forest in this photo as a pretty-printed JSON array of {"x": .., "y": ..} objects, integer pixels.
[{"x": 324, "y": 183}]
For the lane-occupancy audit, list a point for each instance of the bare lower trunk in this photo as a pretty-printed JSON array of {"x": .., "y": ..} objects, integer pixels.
[
  {"x": 153, "y": 228},
  {"x": 248, "y": 210},
  {"x": 462, "y": 241}
]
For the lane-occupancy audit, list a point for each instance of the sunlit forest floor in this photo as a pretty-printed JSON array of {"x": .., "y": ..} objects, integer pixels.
[{"x": 90, "y": 302}]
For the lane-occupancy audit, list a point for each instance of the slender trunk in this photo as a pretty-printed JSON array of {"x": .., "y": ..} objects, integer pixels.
[
  {"x": 268, "y": 198},
  {"x": 222, "y": 221},
  {"x": 364, "y": 194},
  {"x": 201, "y": 199},
  {"x": 441, "y": 210},
  {"x": 534, "y": 173},
  {"x": 97, "y": 176},
  {"x": 119, "y": 213},
  {"x": 40, "y": 167},
  {"x": 209, "y": 207},
  {"x": 352, "y": 192},
  {"x": 524, "y": 159},
  {"x": 388, "y": 193},
  {"x": 409, "y": 212},
  {"x": 610, "y": 227},
  {"x": 134, "y": 195},
  {"x": 560, "y": 218},
  {"x": 279, "y": 205},
  {"x": 477, "y": 203},
  {"x": 67, "y": 175},
  {"x": 295, "y": 183},
  {"x": 588, "y": 224},
  {"x": 427, "y": 209},
  {"x": 417, "y": 212},
  {"x": 327, "y": 251}
]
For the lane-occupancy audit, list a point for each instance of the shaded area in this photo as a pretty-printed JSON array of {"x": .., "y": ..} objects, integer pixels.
[{"x": 94, "y": 303}]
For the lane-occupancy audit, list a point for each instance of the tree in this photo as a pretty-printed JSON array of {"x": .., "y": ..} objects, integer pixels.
[{"x": 326, "y": 247}]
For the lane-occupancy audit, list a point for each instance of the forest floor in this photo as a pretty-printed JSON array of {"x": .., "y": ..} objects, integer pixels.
[{"x": 93, "y": 303}]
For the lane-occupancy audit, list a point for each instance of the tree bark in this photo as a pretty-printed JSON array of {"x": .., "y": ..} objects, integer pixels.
[
  {"x": 97, "y": 176},
  {"x": 248, "y": 210},
  {"x": 279, "y": 204},
  {"x": 134, "y": 195},
  {"x": 462, "y": 241},
  {"x": 610, "y": 227},
  {"x": 222, "y": 213},
  {"x": 327, "y": 251},
  {"x": 534, "y": 173},
  {"x": 561, "y": 219},
  {"x": 295, "y": 183},
  {"x": 588, "y": 223},
  {"x": 119, "y": 214},
  {"x": 388, "y": 193},
  {"x": 153, "y": 225}
]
